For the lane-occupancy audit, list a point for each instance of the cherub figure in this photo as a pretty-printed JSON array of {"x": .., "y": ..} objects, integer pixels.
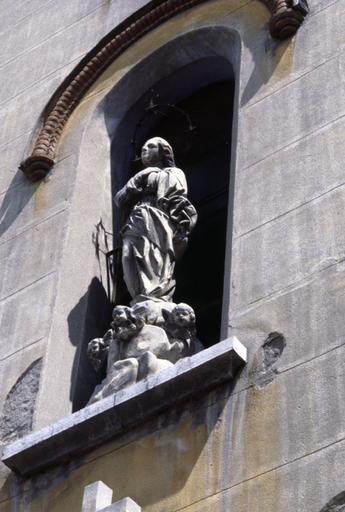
[
  {"x": 181, "y": 330},
  {"x": 97, "y": 350},
  {"x": 126, "y": 323},
  {"x": 124, "y": 326},
  {"x": 135, "y": 350}
]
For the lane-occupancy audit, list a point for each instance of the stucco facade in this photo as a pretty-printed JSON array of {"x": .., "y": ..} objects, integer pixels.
[{"x": 246, "y": 445}]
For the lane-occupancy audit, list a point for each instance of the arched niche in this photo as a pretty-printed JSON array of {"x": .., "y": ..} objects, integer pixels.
[
  {"x": 196, "y": 72},
  {"x": 96, "y": 142},
  {"x": 197, "y": 60}
]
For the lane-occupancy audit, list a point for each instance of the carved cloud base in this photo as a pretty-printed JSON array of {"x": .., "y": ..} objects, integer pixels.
[{"x": 145, "y": 339}]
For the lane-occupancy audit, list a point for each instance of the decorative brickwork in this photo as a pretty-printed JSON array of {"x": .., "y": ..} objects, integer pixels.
[{"x": 287, "y": 16}]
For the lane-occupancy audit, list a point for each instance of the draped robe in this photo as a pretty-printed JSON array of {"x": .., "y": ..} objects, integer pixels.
[{"x": 161, "y": 211}]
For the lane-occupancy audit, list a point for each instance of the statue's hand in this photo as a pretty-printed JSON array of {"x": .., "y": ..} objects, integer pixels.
[
  {"x": 148, "y": 170},
  {"x": 141, "y": 180}
]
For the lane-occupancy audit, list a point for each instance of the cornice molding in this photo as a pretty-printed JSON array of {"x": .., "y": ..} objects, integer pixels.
[
  {"x": 102, "y": 421},
  {"x": 286, "y": 18}
]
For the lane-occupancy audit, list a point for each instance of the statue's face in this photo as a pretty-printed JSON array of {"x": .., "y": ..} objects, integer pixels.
[
  {"x": 119, "y": 315},
  {"x": 182, "y": 316},
  {"x": 124, "y": 327},
  {"x": 150, "y": 156}
]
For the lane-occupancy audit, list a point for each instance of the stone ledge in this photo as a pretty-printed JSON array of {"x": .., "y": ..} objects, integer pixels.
[{"x": 98, "y": 423}]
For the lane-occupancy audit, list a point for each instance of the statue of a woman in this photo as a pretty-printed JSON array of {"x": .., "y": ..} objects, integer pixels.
[
  {"x": 159, "y": 222},
  {"x": 154, "y": 333}
]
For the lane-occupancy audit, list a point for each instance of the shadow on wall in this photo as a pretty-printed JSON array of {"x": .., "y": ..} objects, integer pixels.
[
  {"x": 19, "y": 193},
  {"x": 277, "y": 53},
  {"x": 90, "y": 318},
  {"x": 336, "y": 504}
]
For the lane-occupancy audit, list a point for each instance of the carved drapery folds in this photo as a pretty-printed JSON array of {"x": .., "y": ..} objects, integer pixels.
[{"x": 286, "y": 18}]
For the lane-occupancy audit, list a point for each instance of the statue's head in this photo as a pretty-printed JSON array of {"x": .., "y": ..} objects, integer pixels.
[
  {"x": 157, "y": 152},
  {"x": 183, "y": 315},
  {"x": 126, "y": 323}
]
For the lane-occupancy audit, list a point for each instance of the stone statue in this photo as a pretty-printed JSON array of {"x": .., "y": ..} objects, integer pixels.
[
  {"x": 154, "y": 333},
  {"x": 159, "y": 223}
]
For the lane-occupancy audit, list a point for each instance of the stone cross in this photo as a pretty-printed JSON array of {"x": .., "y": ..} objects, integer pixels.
[{"x": 98, "y": 496}]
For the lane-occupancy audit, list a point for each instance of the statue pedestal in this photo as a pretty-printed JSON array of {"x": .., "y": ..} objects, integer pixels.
[{"x": 102, "y": 421}]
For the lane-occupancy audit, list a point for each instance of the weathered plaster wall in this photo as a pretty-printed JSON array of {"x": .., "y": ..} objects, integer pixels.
[
  {"x": 277, "y": 448},
  {"x": 41, "y": 42}
]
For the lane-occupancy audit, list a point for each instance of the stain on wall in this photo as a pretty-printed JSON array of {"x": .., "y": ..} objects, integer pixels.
[{"x": 271, "y": 351}]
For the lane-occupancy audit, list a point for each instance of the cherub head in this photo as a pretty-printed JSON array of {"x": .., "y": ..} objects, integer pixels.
[
  {"x": 125, "y": 323},
  {"x": 183, "y": 315},
  {"x": 180, "y": 323},
  {"x": 157, "y": 152},
  {"x": 95, "y": 350}
]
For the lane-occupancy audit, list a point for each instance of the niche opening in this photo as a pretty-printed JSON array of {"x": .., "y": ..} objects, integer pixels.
[{"x": 204, "y": 91}]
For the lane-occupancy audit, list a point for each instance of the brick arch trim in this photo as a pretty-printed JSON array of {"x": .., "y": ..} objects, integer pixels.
[{"x": 286, "y": 18}]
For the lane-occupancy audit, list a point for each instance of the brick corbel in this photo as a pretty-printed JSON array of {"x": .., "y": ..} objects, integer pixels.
[{"x": 286, "y": 18}]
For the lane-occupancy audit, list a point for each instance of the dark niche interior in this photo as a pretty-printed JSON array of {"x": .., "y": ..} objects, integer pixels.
[{"x": 193, "y": 110}]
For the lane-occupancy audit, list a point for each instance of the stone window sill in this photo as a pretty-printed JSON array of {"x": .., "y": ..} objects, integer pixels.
[{"x": 102, "y": 421}]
